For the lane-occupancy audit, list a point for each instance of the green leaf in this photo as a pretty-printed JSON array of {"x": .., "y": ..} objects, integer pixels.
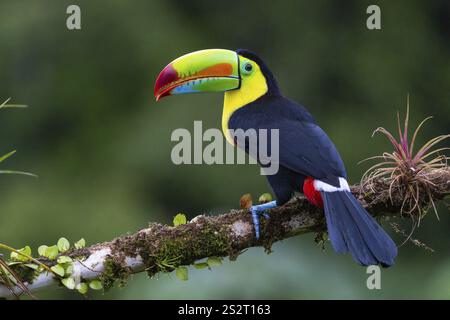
[
  {"x": 201, "y": 265},
  {"x": 63, "y": 245},
  {"x": 68, "y": 268},
  {"x": 5, "y": 105},
  {"x": 265, "y": 197},
  {"x": 6, "y": 156},
  {"x": 18, "y": 172},
  {"x": 42, "y": 249},
  {"x": 58, "y": 269},
  {"x": 182, "y": 273},
  {"x": 80, "y": 243},
  {"x": 32, "y": 266},
  {"x": 14, "y": 106},
  {"x": 179, "y": 219},
  {"x": 214, "y": 261},
  {"x": 18, "y": 257},
  {"x": 82, "y": 287},
  {"x": 51, "y": 252},
  {"x": 64, "y": 259},
  {"x": 96, "y": 285},
  {"x": 69, "y": 283},
  {"x": 4, "y": 102}
]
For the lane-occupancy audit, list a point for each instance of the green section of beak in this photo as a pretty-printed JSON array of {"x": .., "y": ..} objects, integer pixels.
[{"x": 213, "y": 70}]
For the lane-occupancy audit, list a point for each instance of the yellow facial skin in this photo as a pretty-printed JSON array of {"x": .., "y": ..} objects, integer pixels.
[{"x": 253, "y": 86}]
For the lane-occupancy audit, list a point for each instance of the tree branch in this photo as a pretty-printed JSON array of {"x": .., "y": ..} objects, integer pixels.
[{"x": 162, "y": 248}]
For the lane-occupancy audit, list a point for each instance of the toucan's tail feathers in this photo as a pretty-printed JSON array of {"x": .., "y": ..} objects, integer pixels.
[{"x": 352, "y": 229}]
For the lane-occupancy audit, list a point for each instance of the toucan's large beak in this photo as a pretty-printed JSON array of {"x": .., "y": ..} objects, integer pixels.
[{"x": 212, "y": 70}]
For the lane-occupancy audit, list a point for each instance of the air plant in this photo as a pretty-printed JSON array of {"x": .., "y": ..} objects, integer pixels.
[
  {"x": 10, "y": 280},
  {"x": 5, "y": 104},
  {"x": 7, "y": 276},
  {"x": 406, "y": 171},
  {"x": 9, "y": 154}
]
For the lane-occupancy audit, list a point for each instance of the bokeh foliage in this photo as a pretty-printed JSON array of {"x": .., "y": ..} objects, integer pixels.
[{"x": 101, "y": 145}]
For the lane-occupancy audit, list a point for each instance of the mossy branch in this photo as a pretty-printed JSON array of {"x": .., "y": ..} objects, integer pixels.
[{"x": 163, "y": 248}]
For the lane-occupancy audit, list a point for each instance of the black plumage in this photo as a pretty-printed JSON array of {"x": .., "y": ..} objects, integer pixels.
[{"x": 305, "y": 150}]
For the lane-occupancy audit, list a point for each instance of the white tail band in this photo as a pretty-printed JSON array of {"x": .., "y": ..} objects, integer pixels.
[{"x": 322, "y": 186}]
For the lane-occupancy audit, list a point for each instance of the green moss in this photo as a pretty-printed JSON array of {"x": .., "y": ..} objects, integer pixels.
[
  {"x": 271, "y": 234},
  {"x": 114, "y": 271},
  {"x": 165, "y": 248},
  {"x": 184, "y": 246},
  {"x": 24, "y": 273},
  {"x": 321, "y": 238}
]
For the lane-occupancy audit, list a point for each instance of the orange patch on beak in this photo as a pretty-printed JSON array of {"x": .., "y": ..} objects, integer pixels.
[{"x": 218, "y": 70}]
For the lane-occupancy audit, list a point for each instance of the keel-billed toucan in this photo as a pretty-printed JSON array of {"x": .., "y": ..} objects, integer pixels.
[{"x": 308, "y": 160}]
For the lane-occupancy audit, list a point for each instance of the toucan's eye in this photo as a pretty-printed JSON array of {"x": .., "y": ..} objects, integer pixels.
[{"x": 247, "y": 68}]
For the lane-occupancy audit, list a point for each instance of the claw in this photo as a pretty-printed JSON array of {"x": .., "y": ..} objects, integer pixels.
[
  {"x": 257, "y": 210},
  {"x": 255, "y": 218}
]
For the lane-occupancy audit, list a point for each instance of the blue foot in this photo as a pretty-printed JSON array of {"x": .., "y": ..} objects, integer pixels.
[{"x": 260, "y": 209}]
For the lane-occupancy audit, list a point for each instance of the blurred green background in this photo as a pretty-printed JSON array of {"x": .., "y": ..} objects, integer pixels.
[{"x": 101, "y": 145}]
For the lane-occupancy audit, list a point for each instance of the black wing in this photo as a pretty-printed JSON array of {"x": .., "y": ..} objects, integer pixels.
[{"x": 303, "y": 146}]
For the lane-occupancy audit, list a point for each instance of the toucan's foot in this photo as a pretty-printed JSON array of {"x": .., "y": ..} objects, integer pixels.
[{"x": 260, "y": 209}]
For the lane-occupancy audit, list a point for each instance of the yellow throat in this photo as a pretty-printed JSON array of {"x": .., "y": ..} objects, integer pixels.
[{"x": 252, "y": 87}]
